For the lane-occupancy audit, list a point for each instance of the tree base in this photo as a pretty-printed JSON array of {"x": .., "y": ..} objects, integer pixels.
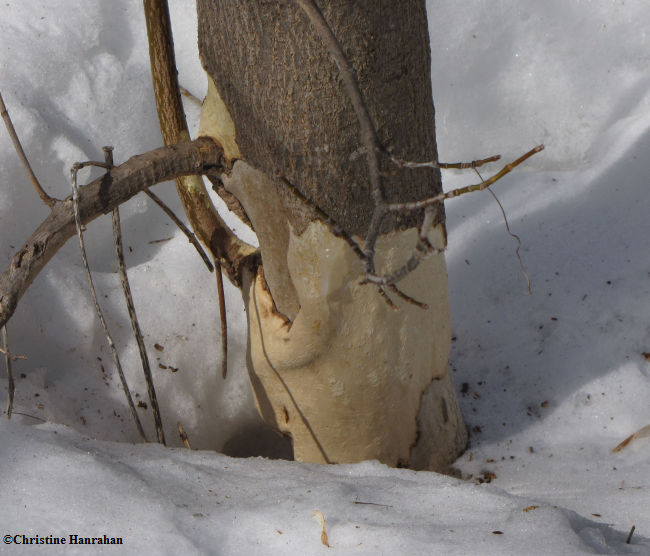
[{"x": 350, "y": 378}]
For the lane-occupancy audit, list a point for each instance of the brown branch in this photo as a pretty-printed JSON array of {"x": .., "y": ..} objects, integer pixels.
[
  {"x": 184, "y": 438},
  {"x": 201, "y": 156},
  {"x": 98, "y": 309},
  {"x": 133, "y": 317},
  {"x": 406, "y": 297},
  {"x": 516, "y": 238},
  {"x": 193, "y": 98},
  {"x": 11, "y": 385},
  {"x": 223, "y": 319},
  {"x": 183, "y": 228},
  {"x": 232, "y": 203},
  {"x": 5, "y": 351},
  {"x": 49, "y": 201},
  {"x": 128, "y": 297},
  {"x": 414, "y": 205},
  {"x": 445, "y": 165},
  {"x": 171, "y": 116},
  {"x": 423, "y": 248},
  {"x": 201, "y": 213}
]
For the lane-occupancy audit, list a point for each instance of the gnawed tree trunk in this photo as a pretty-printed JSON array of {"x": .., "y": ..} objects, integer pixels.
[{"x": 331, "y": 363}]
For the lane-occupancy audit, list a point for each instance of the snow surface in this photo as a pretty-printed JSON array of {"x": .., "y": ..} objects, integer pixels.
[{"x": 552, "y": 381}]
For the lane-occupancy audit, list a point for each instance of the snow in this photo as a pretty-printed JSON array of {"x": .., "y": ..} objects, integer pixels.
[{"x": 552, "y": 381}]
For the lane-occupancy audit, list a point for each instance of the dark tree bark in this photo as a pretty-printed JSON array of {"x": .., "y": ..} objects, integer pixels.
[{"x": 292, "y": 114}]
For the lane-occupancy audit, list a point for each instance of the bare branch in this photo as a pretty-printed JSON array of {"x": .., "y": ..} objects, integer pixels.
[
  {"x": 126, "y": 289},
  {"x": 382, "y": 292},
  {"x": 223, "y": 319},
  {"x": 11, "y": 385},
  {"x": 516, "y": 238},
  {"x": 98, "y": 310},
  {"x": 423, "y": 248},
  {"x": 445, "y": 165},
  {"x": 407, "y": 298},
  {"x": 201, "y": 213},
  {"x": 100, "y": 197},
  {"x": 193, "y": 98},
  {"x": 467, "y": 189},
  {"x": 368, "y": 133},
  {"x": 5, "y": 351},
  {"x": 334, "y": 227},
  {"x": 184, "y": 438},
  {"x": 49, "y": 201},
  {"x": 188, "y": 234}
]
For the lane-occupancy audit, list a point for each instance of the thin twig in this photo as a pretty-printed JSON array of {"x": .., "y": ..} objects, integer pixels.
[
  {"x": 11, "y": 356},
  {"x": 98, "y": 310},
  {"x": 445, "y": 165},
  {"x": 382, "y": 292},
  {"x": 224, "y": 322},
  {"x": 407, "y": 298},
  {"x": 367, "y": 132},
  {"x": 49, "y": 201},
  {"x": 184, "y": 438},
  {"x": 421, "y": 251},
  {"x": 371, "y": 504},
  {"x": 30, "y": 416},
  {"x": 629, "y": 536},
  {"x": 126, "y": 289},
  {"x": 190, "y": 96},
  {"x": 414, "y": 205},
  {"x": 423, "y": 248},
  {"x": 188, "y": 234},
  {"x": 516, "y": 238},
  {"x": 11, "y": 386}
]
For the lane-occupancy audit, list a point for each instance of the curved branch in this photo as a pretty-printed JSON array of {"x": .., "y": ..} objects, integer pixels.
[{"x": 202, "y": 156}]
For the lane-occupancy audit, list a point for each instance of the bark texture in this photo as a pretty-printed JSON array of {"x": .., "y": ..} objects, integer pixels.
[{"x": 293, "y": 117}]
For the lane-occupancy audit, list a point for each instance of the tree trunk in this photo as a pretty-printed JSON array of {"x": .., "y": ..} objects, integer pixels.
[{"x": 331, "y": 363}]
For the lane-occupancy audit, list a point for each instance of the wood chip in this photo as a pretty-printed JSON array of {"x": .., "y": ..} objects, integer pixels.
[
  {"x": 318, "y": 516},
  {"x": 641, "y": 433}
]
